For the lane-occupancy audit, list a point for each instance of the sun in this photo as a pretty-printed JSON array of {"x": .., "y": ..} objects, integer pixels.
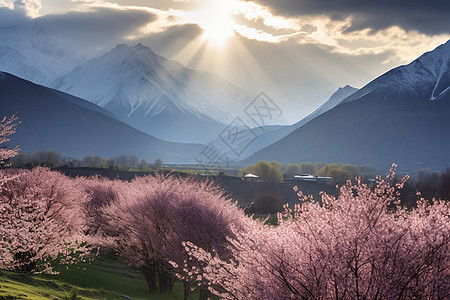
[{"x": 215, "y": 18}]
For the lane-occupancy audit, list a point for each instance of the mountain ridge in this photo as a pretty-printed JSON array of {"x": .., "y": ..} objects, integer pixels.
[
  {"x": 35, "y": 54},
  {"x": 391, "y": 119},
  {"x": 268, "y": 137}
]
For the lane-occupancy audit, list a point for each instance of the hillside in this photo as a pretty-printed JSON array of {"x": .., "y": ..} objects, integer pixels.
[{"x": 74, "y": 127}]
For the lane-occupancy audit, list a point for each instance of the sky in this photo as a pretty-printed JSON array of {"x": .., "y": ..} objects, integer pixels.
[{"x": 297, "y": 51}]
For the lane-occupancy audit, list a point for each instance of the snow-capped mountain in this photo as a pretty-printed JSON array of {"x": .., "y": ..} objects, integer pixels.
[
  {"x": 156, "y": 95},
  {"x": 426, "y": 78},
  {"x": 335, "y": 99},
  {"x": 74, "y": 127},
  {"x": 402, "y": 116},
  {"x": 34, "y": 54}
]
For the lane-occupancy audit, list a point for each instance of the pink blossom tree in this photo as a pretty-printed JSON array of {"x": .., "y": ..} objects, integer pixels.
[
  {"x": 7, "y": 127},
  {"x": 101, "y": 193},
  {"x": 41, "y": 220},
  {"x": 360, "y": 245},
  {"x": 155, "y": 215}
]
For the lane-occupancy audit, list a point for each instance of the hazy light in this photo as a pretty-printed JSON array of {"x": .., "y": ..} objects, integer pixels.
[{"x": 215, "y": 19}]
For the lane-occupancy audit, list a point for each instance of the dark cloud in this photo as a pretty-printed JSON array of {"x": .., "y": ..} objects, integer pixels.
[
  {"x": 92, "y": 32},
  {"x": 429, "y": 17},
  {"x": 98, "y": 29}
]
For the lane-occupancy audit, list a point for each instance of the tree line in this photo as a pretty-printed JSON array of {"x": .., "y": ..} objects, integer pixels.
[
  {"x": 52, "y": 159},
  {"x": 276, "y": 172}
]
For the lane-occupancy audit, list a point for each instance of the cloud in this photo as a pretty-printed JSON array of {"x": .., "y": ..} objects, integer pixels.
[
  {"x": 429, "y": 17},
  {"x": 30, "y": 7},
  {"x": 5, "y": 3},
  {"x": 173, "y": 39},
  {"x": 97, "y": 30}
]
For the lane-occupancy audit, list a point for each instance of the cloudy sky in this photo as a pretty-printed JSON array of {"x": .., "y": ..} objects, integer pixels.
[{"x": 297, "y": 51}]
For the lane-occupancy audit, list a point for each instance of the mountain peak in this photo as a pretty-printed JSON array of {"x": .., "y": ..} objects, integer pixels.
[
  {"x": 131, "y": 52},
  {"x": 346, "y": 87},
  {"x": 342, "y": 93},
  {"x": 141, "y": 46},
  {"x": 122, "y": 46},
  {"x": 142, "y": 49},
  {"x": 150, "y": 93}
]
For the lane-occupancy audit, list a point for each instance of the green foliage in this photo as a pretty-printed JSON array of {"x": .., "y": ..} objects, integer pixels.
[
  {"x": 298, "y": 169},
  {"x": 143, "y": 164},
  {"x": 292, "y": 169},
  {"x": 339, "y": 173},
  {"x": 105, "y": 278},
  {"x": 267, "y": 171},
  {"x": 319, "y": 165},
  {"x": 47, "y": 158},
  {"x": 95, "y": 161},
  {"x": 157, "y": 164},
  {"x": 353, "y": 170},
  {"x": 307, "y": 168},
  {"x": 19, "y": 286}
]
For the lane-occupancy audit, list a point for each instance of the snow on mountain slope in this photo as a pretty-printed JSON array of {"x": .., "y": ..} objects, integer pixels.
[
  {"x": 438, "y": 63},
  {"x": 35, "y": 54},
  {"x": 140, "y": 87},
  {"x": 12, "y": 61},
  {"x": 334, "y": 100},
  {"x": 427, "y": 77}
]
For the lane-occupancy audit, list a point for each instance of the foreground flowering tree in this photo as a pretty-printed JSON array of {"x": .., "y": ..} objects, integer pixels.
[
  {"x": 7, "y": 127},
  {"x": 40, "y": 220},
  {"x": 101, "y": 193},
  {"x": 360, "y": 245},
  {"x": 152, "y": 218}
]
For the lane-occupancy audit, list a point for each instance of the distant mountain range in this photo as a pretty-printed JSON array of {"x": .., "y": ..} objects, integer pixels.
[
  {"x": 270, "y": 134},
  {"x": 34, "y": 54},
  {"x": 402, "y": 116},
  {"x": 156, "y": 95},
  {"x": 73, "y": 127}
]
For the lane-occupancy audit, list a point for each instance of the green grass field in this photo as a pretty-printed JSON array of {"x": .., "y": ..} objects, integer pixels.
[{"x": 105, "y": 278}]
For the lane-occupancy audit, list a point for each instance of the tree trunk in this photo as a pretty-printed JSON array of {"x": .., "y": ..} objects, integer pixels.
[
  {"x": 186, "y": 289},
  {"x": 149, "y": 272},
  {"x": 166, "y": 282},
  {"x": 204, "y": 294}
]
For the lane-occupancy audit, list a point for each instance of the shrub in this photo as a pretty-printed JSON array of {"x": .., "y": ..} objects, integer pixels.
[{"x": 267, "y": 171}]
